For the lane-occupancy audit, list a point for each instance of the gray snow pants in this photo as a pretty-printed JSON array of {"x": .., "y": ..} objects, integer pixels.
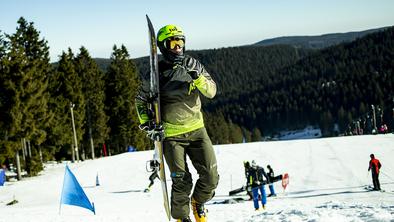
[{"x": 198, "y": 147}]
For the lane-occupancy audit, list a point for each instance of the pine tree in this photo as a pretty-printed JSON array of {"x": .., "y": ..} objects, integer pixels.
[
  {"x": 247, "y": 134},
  {"x": 25, "y": 82},
  {"x": 236, "y": 135},
  {"x": 96, "y": 130},
  {"x": 217, "y": 128},
  {"x": 256, "y": 135},
  {"x": 121, "y": 88},
  {"x": 342, "y": 121},
  {"x": 4, "y": 151},
  {"x": 326, "y": 123}
]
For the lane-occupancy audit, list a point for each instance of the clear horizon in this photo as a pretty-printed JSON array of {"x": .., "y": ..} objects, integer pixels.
[{"x": 99, "y": 25}]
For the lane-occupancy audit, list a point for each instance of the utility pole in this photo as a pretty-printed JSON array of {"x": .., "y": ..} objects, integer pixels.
[
  {"x": 91, "y": 142},
  {"x": 75, "y": 148},
  {"x": 23, "y": 149},
  {"x": 28, "y": 149},
  {"x": 18, "y": 166},
  {"x": 374, "y": 130},
  {"x": 381, "y": 116}
]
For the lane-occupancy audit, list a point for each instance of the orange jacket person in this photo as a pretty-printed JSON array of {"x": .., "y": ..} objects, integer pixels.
[{"x": 374, "y": 166}]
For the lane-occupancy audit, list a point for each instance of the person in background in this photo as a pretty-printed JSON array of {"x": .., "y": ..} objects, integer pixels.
[
  {"x": 2, "y": 176},
  {"x": 374, "y": 167},
  {"x": 271, "y": 176},
  {"x": 256, "y": 181}
]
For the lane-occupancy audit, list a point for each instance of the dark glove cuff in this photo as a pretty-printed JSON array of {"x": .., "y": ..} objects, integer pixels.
[{"x": 194, "y": 74}]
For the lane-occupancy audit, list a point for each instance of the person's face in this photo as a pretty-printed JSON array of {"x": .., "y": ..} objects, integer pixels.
[
  {"x": 175, "y": 44},
  {"x": 177, "y": 49}
]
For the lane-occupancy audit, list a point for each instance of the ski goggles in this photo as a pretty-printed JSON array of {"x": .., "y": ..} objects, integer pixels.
[{"x": 171, "y": 43}]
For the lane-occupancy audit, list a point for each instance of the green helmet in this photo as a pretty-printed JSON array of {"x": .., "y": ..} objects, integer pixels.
[
  {"x": 169, "y": 31},
  {"x": 165, "y": 33}
]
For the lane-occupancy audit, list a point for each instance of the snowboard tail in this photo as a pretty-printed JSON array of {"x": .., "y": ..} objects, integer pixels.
[
  {"x": 162, "y": 175},
  {"x": 236, "y": 191},
  {"x": 277, "y": 178}
]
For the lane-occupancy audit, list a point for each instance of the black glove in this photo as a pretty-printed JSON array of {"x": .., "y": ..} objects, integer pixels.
[
  {"x": 194, "y": 74},
  {"x": 193, "y": 68},
  {"x": 154, "y": 132}
]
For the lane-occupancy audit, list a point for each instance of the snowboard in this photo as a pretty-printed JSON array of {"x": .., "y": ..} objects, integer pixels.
[
  {"x": 155, "y": 106},
  {"x": 239, "y": 190},
  {"x": 275, "y": 179}
]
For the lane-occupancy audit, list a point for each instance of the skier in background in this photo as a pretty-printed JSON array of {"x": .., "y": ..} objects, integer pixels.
[
  {"x": 256, "y": 181},
  {"x": 374, "y": 166},
  {"x": 271, "y": 176},
  {"x": 182, "y": 80}
]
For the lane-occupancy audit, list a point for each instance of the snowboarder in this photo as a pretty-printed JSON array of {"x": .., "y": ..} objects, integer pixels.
[
  {"x": 256, "y": 181},
  {"x": 182, "y": 80},
  {"x": 154, "y": 166},
  {"x": 271, "y": 177},
  {"x": 374, "y": 166}
]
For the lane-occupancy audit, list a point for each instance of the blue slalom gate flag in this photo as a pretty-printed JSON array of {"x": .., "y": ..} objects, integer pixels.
[
  {"x": 73, "y": 194},
  {"x": 2, "y": 177}
]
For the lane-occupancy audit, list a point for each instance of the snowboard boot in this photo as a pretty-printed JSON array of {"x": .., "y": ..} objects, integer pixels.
[
  {"x": 199, "y": 211},
  {"x": 187, "y": 219}
]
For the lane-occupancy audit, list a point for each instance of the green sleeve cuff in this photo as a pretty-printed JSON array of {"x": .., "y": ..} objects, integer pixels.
[
  {"x": 205, "y": 86},
  {"x": 199, "y": 81}
]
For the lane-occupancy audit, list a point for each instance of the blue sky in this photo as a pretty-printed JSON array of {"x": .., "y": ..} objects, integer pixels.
[{"x": 99, "y": 24}]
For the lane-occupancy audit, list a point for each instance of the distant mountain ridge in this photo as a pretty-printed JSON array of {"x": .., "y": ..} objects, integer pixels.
[
  {"x": 307, "y": 42},
  {"x": 318, "y": 41}
]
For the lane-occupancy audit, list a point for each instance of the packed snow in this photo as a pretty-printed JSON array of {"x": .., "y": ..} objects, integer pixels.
[{"x": 328, "y": 177}]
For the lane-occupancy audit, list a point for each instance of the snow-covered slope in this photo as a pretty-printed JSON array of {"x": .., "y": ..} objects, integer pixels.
[{"x": 327, "y": 180}]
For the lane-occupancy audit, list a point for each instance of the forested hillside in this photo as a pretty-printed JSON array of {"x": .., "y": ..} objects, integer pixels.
[{"x": 336, "y": 85}]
